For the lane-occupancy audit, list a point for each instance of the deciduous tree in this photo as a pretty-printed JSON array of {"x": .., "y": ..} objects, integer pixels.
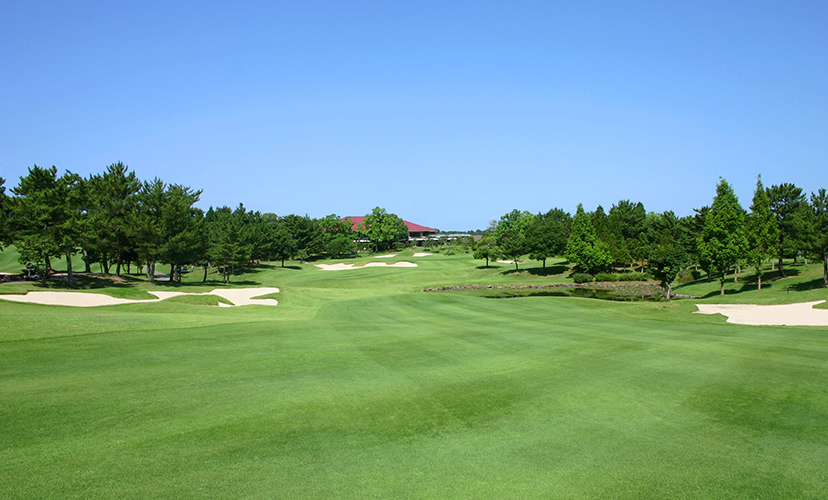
[
  {"x": 665, "y": 264},
  {"x": 383, "y": 229},
  {"x": 546, "y": 235},
  {"x": 487, "y": 247},
  {"x": 511, "y": 234}
]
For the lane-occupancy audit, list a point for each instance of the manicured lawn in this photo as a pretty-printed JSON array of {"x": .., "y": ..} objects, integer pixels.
[{"x": 359, "y": 385}]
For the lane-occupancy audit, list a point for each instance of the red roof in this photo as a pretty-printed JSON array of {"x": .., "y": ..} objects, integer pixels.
[{"x": 412, "y": 228}]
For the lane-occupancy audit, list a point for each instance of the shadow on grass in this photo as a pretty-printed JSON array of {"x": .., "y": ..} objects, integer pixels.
[
  {"x": 548, "y": 271},
  {"x": 808, "y": 285},
  {"x": 770, "y": 276},
  {"x": 488, "y": 267},
  {"x": 83, "y": 281}
]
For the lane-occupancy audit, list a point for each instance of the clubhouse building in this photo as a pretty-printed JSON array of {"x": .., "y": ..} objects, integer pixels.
[{"x": 416, "y": 232}]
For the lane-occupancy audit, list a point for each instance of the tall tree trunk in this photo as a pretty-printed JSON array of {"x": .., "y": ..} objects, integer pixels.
[
  {"x": 759, "y": 276},
  {"x": 86, "y": 263},
  {"x": 722, "y": 281},
  {"x": 105, "y": 262},
  {"x": 204, "y": 279},
  {"x": 825, "y": 267},
  {"x": 68, "y": 266},
  {"x": 781, "y": 269},
  {"x": 118, "y": 265}
]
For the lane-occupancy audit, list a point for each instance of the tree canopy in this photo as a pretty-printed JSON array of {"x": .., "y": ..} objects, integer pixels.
[{"x": 383, "y": 229}]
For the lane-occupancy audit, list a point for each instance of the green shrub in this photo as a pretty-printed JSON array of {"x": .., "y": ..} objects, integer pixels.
[
  {"x": 605, "y": 277},
  {"x": 582, "y": 278},
  {"x": 632, "y": 277},
  {"x": 687, "y": 276}
]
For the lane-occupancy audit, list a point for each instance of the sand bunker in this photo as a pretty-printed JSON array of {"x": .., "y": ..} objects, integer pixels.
[
  {"x": 239, "y": 297},
  {"x": 421, "y": 254},
  {"x": 802, "y": 314},
  {"x": 344, "y": 267},
  {"x": 388, "y": 256}
]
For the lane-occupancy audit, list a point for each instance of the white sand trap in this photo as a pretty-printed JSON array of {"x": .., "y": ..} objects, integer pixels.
[
  {"x": 341, "y": 266},
  {"x": 422, "y": 254},
  {"x": 384, "y": 256},
  {"x": 507, "y": 261},
  {"x": 802, "y": 314},
  {"x": 239, "y": 297}
]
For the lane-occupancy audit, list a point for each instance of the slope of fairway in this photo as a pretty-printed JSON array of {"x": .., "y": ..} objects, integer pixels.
[{"x": 358, "y": 385}]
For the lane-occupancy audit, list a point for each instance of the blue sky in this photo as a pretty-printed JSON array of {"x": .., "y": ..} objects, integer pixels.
[{"x": 448, "y": 114}]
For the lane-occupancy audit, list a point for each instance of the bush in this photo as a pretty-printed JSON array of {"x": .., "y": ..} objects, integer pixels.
[
  {"x": 632, "y": 277},
  {"x": 582, "y": 278},
  {"x": 687, "y": 276},
  {"x": 605, "y": 277}
]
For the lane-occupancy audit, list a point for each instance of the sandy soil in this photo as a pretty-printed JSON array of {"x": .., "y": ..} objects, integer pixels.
[
  {"x": 239, "y": 297},
  {"x": 388, "y": 256},
  {"x": 341, "y": 266},
  {"x": 421, "y": 254},
  {"x": 802, "y": 314},
  {"x": 507, "y": 261}
]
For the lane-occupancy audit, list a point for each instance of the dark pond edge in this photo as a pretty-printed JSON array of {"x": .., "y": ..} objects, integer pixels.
[{"x": 638, "y": 289}]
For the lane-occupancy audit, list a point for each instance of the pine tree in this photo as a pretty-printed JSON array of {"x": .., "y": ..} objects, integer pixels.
[
  {"x": 583, "y": 247},
  {"x": 818, "y": 230},
  {"x": 722, "y": 243},
  {"x": 46, "y": 218},
  {"x": 5, "y": 208},
  {"x": 761, "y": 231},
  {"x": 149, "y": 224},
  {"x": 788, "y": 204},
  {"x": 114, "y": 200}
]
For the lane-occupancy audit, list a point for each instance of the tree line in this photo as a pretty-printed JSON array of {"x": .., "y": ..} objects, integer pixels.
[
  {"x": 719, "y": 238},
  {"x": 116, "y": 220}
]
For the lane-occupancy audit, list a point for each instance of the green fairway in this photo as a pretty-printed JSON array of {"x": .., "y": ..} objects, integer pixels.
[{"x": 360, "y": 385}]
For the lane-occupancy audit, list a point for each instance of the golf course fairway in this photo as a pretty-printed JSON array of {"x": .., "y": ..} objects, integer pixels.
[{"x": 360, "y": 385}]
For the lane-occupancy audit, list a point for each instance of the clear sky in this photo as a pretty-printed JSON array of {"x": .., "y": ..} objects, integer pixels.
[{"x": 448, "y": 114}]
